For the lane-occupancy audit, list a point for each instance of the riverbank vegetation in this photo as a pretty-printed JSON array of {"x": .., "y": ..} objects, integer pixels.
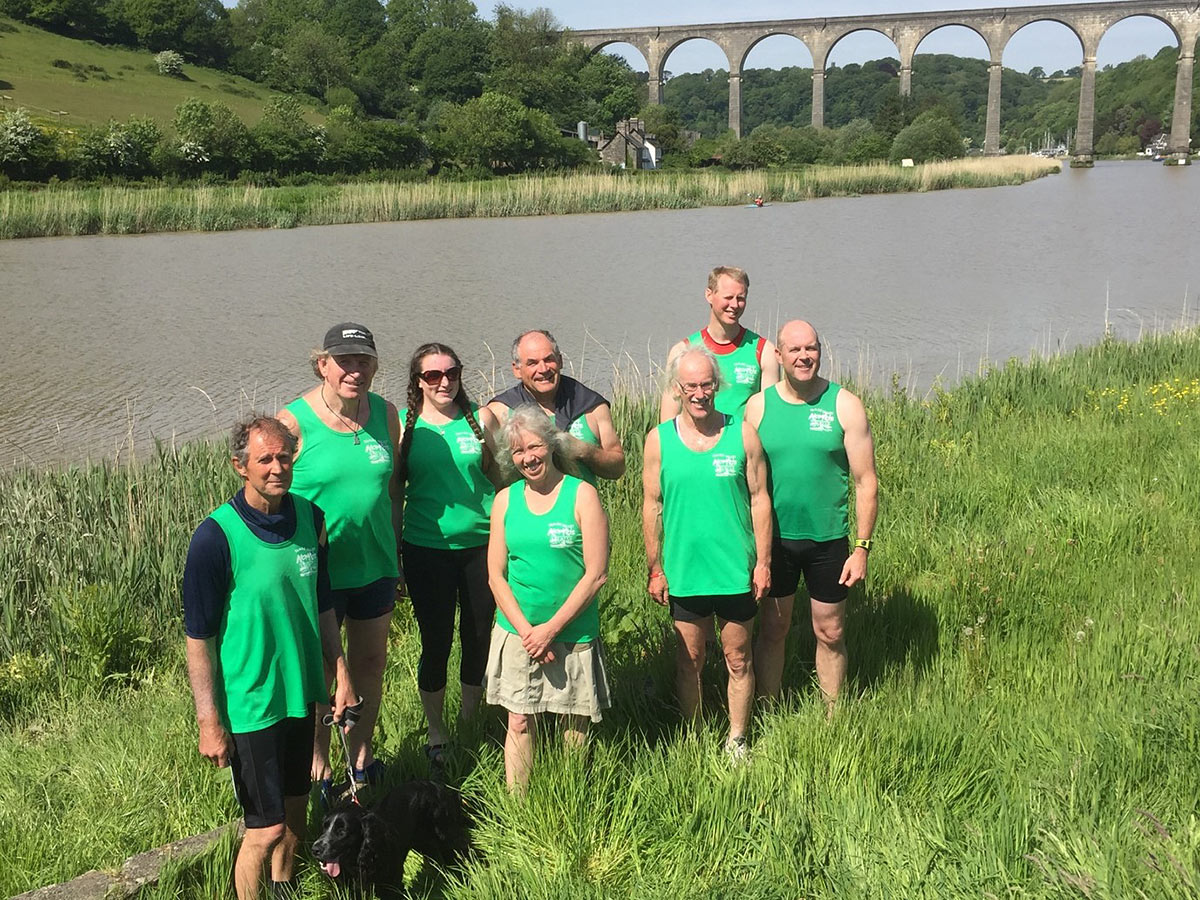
[
  {"x": 69, "y": 210},
  {"x": 1020, "y": 717}
]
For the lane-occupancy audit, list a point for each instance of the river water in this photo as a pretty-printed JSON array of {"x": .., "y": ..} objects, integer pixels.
[{"x": 113, "y": 342}]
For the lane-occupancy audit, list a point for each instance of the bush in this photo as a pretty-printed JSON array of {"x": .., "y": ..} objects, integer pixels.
[
  {"x": 26, "y": 151},
  {"x": 107, "y": 638},
  {"x": 284, "y": 141},
  {"x": 932, "y": 136},
  {"x": 498, "y": 132},
  {"x": 119, "y": 149},
  {"x": 211, "y": 138},
  {"x": 869, "y": 148},
  {"x": 169, "y": 63}
]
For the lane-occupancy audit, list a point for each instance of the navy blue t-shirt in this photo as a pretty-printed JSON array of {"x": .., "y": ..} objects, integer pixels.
[{"x": 208, "y": 573}]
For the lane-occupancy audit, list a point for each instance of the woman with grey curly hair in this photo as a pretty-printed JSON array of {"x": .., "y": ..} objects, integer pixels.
[{"x": 547, "y": 560}]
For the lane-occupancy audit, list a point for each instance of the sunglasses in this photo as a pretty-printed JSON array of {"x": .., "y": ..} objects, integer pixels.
[{"x": 435, "y": 376}]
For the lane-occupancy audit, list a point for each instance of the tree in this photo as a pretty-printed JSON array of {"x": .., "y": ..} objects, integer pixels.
[
  {"x": 26, "y": 151},
  {"x": 197, "y": 28},
  {"x": 932, "y": 135},
  {"x": 211, "y": 137},
  {"x": 360, "y": 23},
  {"x": 354, "y": 144},
  {"x": 169, "y": 63},
  {"x": 311, "y": 61},
  {"x": 498, "y": 132},
  {"x": 381, "y": 78},
  {"x": 447, "y": 63},
  {"x": 1037, "y": 72},
  {"x": 663, "y": 122},
  {"x": 118, "y": 149},
  {"x": 284, "y": 141}
]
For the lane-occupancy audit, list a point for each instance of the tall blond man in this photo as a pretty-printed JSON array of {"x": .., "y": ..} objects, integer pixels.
[{"x": 739, "y": 352}]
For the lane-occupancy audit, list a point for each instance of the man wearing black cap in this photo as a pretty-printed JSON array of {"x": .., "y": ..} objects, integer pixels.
[
  {"x": 345, "y": 464},
  {"x": 577, "y": 409}
]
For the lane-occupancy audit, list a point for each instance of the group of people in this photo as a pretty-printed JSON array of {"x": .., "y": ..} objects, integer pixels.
[{"x": 492, "y": 511}]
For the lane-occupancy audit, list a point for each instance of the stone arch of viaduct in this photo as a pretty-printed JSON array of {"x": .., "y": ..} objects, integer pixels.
[{"x": 1088, "y": 21}]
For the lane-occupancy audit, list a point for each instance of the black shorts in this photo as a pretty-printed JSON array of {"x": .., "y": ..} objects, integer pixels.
[
  {"x": 367, "y": 602},
  {"x": 730, "y": 607},
  {"x": 820, "y": 562},
  {"x": 271, "y": 764}
]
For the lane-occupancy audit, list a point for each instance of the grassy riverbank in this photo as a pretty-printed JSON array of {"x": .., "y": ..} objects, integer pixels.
[
  {"x": 1022, "y": 717},
  {"x": 73, "y": 210}
]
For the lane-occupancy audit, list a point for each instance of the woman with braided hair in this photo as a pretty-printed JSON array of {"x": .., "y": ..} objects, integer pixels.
[{"x": 446, "y": 466}]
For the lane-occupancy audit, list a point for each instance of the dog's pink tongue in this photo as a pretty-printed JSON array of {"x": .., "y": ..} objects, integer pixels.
[{"x": 332, "y": 869}]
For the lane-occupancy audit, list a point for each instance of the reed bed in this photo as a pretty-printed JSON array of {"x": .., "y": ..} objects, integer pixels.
[
  {"x": 1021, "y": 713},
  {"x": 71, "y": 210}
]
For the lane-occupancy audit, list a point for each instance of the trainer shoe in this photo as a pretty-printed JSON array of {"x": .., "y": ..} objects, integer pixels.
[{"x": 737, "y": 750}]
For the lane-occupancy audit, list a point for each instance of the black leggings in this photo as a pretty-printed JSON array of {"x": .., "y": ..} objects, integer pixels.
[{"x": 438, "y": 581}]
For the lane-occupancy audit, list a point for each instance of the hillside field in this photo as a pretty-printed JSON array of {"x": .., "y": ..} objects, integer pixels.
[{"x": 93, "y": 83}]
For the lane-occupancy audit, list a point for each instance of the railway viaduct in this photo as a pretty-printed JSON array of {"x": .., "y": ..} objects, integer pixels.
[{"x": 1088, "y": 22}]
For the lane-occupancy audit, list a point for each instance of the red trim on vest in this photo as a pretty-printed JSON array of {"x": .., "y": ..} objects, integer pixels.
[
  {"x": 762, "y": 342},
  {"x": 722, "y": 349}
]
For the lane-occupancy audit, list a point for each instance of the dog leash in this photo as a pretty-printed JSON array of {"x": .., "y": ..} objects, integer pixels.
[{"x": 350, "y": 716}]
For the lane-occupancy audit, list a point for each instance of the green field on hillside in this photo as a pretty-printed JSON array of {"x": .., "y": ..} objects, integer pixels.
[{"x": 68, "y": 82}]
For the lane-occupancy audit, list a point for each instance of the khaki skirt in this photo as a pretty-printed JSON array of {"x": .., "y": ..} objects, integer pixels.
[{"x": 574, "y": 684}]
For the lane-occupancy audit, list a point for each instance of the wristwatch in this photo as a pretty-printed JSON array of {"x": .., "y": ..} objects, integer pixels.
[{"x": 865, "y": 543}]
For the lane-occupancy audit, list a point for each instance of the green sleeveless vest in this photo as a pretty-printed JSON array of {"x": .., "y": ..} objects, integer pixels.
[
  {"x": 448, "y": 499},
  {"x": 268, "y": 642},
  {"x": 545, "y": 562},
  {"x": 708, "y": 538},
  {"x": 806, "y": 452},
  {"x": 741, "y": 368},
  {"x": 349, "y": 482}
]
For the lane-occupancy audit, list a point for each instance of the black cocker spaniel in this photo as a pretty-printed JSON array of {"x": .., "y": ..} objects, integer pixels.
[{"x": 368, "y": 846}]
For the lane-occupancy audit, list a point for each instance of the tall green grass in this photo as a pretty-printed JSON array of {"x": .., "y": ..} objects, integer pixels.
[
  {"x": 135, "y": 210},
  {"x": 1021, "y": 719}
]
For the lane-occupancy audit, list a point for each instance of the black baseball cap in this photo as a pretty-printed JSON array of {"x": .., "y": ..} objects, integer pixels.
[{"x": 347, "y": 338}]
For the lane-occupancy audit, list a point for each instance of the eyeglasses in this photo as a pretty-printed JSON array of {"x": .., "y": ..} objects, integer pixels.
[
  {"x": 435, "y": 376},
  {"x": 704, "y": 387}
]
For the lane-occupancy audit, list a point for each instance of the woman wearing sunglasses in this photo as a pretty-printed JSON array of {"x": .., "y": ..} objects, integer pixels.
[{"x": 446, "y": 467}]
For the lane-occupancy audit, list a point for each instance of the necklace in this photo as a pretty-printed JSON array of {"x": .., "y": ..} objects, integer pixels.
[{"x": 353, "y": 425}]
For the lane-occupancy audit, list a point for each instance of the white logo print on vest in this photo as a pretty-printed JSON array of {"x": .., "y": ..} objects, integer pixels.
[
  {"x": 820, "y": 420},
  {"x": 724, "y": 465},
  {"x": 468, "y": 444},
  {"x": 561, "y": 534},
  {"x": 306, "y": 562},
  {"x": 377, "y": 454},
  {"x": 744, "y": 373}
]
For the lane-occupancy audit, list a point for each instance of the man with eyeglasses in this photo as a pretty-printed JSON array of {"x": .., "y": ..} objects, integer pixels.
[
  {"x": 706, "y": 520},
  {"x": 739, "y": 352},
  {"x": 576, "y": 408},
  {"x": 816, "y": 437}
]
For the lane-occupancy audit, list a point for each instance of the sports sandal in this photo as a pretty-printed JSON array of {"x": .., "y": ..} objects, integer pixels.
[
  {"x": 436, "y": 754},
  {"x": 372, "y": 774}
]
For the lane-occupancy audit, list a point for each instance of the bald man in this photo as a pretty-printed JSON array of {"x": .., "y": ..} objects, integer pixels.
[{"x": 816, "y": 437}]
